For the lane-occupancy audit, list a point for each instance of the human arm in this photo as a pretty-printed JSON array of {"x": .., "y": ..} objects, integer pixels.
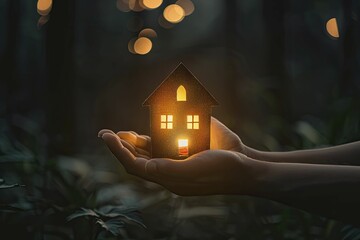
[
  {"x": 346, "y": 154},
  {"x": 327, "y": 190}
]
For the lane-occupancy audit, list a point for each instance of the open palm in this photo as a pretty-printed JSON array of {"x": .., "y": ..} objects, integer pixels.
[{"x": 214, "y": 171}]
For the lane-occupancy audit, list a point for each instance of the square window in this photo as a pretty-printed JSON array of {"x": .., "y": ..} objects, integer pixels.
[
  {"x": 166, "y": 121},
  {"x": 193, "y": 122},
  {"x": 189, "y": 118}
]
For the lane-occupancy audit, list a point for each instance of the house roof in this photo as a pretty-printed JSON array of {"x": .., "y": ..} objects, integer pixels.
[{"x": 180, "y": 76}]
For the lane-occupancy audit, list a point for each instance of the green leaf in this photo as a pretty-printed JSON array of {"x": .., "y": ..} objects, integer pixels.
[
  {"x": 127, "y": 214},
  {"x": 114, "y": 225},
  {"x": 83, "y": 212},
  {"x": 3, "y": 185},
  {"x": 351, "y": 233},
  {"x": 10, "y": 208}
]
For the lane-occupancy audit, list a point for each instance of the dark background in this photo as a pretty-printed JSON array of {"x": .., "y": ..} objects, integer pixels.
[{"x": 281, "y": 80}]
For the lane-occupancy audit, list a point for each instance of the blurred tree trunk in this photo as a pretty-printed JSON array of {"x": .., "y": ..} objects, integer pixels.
[
  {"x": 9, "y": 82},
  {"x": 274, "y": 27},
  {"x": 232, "y": 42},
  {"x": 350, "y": 45},
  {"x": 60, "y": 85}
]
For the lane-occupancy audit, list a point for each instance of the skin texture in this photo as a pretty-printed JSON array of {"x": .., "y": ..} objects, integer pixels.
[{"x": 313, "y": 180}]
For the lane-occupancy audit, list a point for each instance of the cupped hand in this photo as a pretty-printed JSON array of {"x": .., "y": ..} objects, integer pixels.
[
  {"x": 223, "y": 138},
  {"x": 221, "y": 170}
]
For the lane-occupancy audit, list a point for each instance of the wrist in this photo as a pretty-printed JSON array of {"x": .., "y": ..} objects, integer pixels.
[{"x": 252, "y": 153}]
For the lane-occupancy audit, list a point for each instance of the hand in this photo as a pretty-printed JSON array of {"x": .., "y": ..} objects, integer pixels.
[
  {"x": 223, "y": 138},
  {"x": 218, "y": 171}
]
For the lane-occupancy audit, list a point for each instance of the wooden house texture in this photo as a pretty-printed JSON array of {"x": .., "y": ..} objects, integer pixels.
[{"x": 180, "y": 115}]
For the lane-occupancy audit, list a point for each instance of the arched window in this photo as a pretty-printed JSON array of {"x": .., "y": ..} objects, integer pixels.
[{"x": 181, "y": 93}]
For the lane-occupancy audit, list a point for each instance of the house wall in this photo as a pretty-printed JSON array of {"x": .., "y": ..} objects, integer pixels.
[{"x": 165, "y": 141}]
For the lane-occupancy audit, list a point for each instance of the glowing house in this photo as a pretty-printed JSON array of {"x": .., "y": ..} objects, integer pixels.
[{"x": 180, "y": 115}]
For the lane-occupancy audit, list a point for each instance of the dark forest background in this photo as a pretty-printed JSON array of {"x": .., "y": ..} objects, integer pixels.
[{"x": 282, "y": 82}]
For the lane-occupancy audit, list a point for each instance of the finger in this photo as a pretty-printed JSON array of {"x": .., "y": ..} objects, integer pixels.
[
  {"x": 123, "y": 154},
  {"x": 135, "y": 139},
  {"x": 133, "y": 165},
  {"x": 103, "y": 131},
  {"x": 135, "y": 151},
  {"x": 146, "y": 137}
]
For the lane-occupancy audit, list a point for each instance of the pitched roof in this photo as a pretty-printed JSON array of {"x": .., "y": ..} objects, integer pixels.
[{"x": 180, "y": 76}]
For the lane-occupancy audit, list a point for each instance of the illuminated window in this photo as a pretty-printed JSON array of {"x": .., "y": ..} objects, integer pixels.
[
  {"x": 192, "y": 121},
  {"x": 183, "y": 147},
  {"x": 166, "y": 122},
  {"x": 181, "y": 93}
]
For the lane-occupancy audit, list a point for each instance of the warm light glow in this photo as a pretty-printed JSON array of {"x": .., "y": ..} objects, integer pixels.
[
  {"x": 151, "y": 4},
  {"x": 44, "y": 7},
  {"x": 183, "y": 142},
  {"x": 196, "y": 118},
  {"x": 192, "y": 121},
  {"x": 142, "y": 45},
  {"x": 183, "y": 147},
  {"x": 135, "y": 6},
  {"x": 174, "y": 13},
  {"x": 181, "y": 93},
  {"x": 187, "y": 5},
  {"x": 147, "y": 32},
  {"x": 166, "y": 121},
  {"x": 332, "y": 28}
]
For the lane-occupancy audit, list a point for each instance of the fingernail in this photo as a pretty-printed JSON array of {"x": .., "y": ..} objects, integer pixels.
[
  {"x": 100, "y": 134},
  {"x": 151, "y": 167}
]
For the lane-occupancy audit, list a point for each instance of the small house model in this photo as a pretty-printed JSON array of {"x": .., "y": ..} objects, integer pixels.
[{"x": 180, "y": 115}]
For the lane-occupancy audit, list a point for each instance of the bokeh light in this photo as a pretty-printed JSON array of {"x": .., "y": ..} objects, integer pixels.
[
  {"x": 151, "y": 4},
  {"x": 42, "y": 21},
  {"x": 131, "y": 45},
  {"x": 174, "y": 13},
  {"x": 142, "y": 45},
  {"x": 332, "y": 27},
  {"x": 187, "y": 5},
  {"x": 44, "y": 7},
  {"x": 148, "y": 32},
  {"x": 123, "y": 5},
  {"x": 135, "y": 6}
]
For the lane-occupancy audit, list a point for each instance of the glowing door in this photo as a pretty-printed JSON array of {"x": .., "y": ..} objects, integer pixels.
[{"x": 183, "y": 146}]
